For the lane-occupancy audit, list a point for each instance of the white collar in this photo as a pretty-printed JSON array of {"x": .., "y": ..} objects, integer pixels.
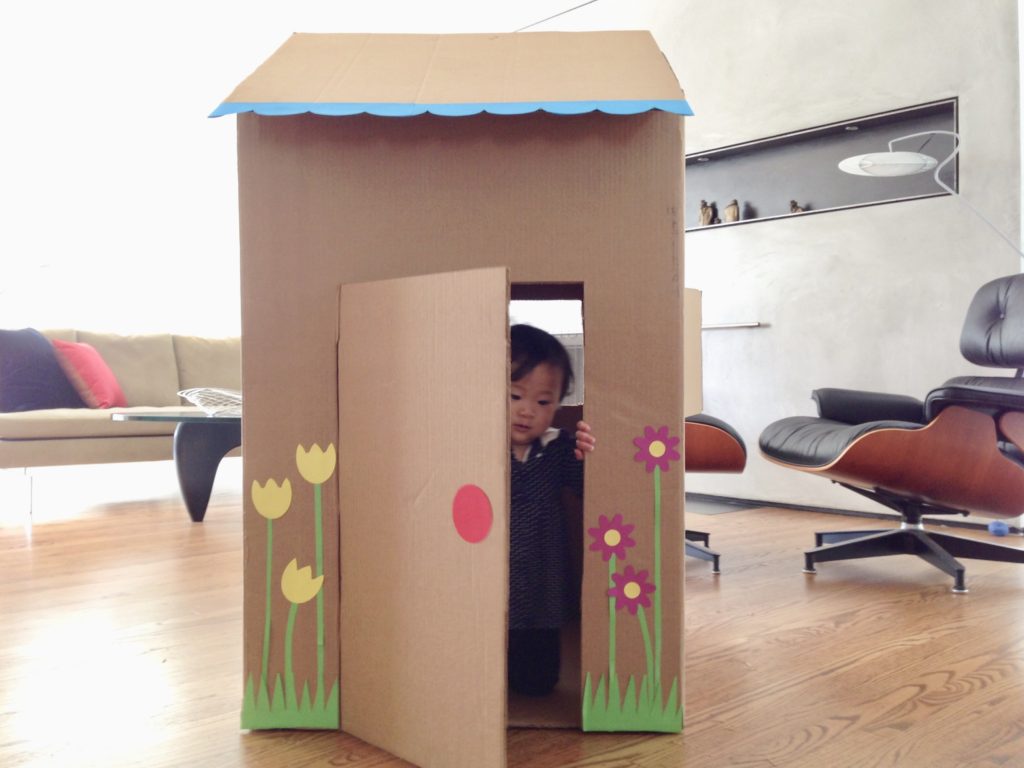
[{"x": 545, "y": 440}]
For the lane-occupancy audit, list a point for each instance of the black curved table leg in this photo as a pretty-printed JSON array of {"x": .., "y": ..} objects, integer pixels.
[
  {"x": 198, "y": 449},
  {"x": 704, "y": 553}
]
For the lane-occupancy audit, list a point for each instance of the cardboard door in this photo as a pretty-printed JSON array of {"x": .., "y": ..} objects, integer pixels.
[{"x": 423, "y": 476}]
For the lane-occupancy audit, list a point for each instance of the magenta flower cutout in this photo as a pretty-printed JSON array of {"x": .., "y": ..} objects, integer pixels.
[
  {"x": 657, "y": 449},
  {"x": 611, "y": 537},
  {"x": 631, "y": 590}
]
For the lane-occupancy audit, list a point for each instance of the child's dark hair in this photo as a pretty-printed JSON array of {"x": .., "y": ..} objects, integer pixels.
[{"x": 531, "y": 347}]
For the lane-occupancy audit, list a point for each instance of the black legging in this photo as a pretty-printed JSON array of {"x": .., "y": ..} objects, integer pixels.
[{"x": 534, "y": 658}]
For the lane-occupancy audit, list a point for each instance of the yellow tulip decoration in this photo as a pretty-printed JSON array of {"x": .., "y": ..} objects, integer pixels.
[
  {"x": 271, "y": 501},
  {"x": 316, "y": 466},
  {"x": 299, "y": 586}
]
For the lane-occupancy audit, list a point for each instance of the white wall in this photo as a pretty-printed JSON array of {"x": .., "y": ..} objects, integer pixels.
[
  {"x": 868, "y": 298},
  {"x": 119, "y": 195}
]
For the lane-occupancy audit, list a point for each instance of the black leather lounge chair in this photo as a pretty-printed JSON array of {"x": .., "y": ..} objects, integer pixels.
[
  {"x": 711, "y": 445},
  {"x": 959, "y": 451}
]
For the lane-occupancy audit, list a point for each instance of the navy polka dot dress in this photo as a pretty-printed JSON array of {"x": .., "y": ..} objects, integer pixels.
[{"x": 541, "y": 591}]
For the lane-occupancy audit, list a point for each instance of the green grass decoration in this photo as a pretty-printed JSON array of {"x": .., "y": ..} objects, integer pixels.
[
  {"x": 608, "y": 711},
  {"x": 261, "y": 711}
]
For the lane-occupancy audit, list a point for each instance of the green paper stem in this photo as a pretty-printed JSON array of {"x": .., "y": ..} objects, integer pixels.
[
  {"x": 611, "y": 621},
  {"x": 646, "y": 632},
  {"x": 318, "y": 511},
  {"x": 657, "y": 580},
  {"x": 266, "y": 621},
  {"x": 289, "y": 671}
]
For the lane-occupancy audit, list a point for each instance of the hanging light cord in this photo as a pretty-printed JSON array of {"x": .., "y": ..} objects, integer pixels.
[{"x": 950, "y": 190}]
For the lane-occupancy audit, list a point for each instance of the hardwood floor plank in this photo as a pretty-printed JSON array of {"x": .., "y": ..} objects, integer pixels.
[{"x": 121, "y": 645}]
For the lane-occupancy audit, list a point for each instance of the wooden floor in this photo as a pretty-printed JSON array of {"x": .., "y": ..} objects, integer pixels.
[{"x": 120, "y": 645}]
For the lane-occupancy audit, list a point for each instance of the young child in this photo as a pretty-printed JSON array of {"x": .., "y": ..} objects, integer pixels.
[{"x": 542, "y": 592}]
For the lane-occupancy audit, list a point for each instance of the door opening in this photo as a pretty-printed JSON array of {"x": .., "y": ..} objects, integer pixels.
[{"x": 558, "y": 310}]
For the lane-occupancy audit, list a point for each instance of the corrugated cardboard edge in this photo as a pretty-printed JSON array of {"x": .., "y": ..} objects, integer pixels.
[{"x": 620, "y": 72}]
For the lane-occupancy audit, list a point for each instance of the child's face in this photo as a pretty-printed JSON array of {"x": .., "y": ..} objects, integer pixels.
[{"x": 534, "y": 400}]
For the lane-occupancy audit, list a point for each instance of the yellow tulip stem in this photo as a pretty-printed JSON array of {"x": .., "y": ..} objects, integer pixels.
[
  {"x": 266, "y": 622},
  {"x": 289, "y": 672},
  {"x": 318, "y": 509}
]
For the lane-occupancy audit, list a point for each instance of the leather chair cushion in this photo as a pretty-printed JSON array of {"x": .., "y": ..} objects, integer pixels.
[
  {"x": 993, "y": 332},
  {"x": 987, "y": 393},
  {"x": 808, "y": 441},
  {"x": 853, "y": 406}
]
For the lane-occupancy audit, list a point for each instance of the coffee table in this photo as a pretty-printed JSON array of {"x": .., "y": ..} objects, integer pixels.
[{"x": 200, "y": 442}]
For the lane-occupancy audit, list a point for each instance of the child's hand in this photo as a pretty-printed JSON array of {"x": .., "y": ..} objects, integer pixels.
[{"x": 584, "y": 440}]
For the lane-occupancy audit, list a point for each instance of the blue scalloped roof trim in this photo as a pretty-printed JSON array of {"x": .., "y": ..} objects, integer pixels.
[{"x": 386, "y": 109}]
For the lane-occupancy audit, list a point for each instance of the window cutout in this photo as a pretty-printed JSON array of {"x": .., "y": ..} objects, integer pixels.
[{"x": 563, "y": 319}]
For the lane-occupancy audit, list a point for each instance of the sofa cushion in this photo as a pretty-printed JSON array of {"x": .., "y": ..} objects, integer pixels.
[
  {"x": 91, "y": 377},
  {"x": 209, "y": 362},
  {"x": 30, "y": 376},
  {"x": 66, "y": 423},
  {"x": 64, "y": 334},
  {"x": 144, "y": 365}
]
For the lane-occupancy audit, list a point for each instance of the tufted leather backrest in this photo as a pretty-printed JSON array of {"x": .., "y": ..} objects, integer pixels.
[{"x": 993, "y": 332}]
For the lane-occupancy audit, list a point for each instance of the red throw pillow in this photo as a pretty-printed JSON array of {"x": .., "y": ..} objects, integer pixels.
[{"x": 89, "y": 374}]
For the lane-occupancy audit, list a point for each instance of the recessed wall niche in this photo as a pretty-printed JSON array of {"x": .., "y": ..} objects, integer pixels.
[{"x": 798, "y": 173}]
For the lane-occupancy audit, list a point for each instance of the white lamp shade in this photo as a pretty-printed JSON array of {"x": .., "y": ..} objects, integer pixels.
[{"x": 888, "y": 164}]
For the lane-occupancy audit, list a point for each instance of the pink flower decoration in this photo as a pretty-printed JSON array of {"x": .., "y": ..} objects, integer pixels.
[
  {"x": 657, "y": 449},
  {"x": 611, "y": 537},
  {"x": 631, "y": 590}
]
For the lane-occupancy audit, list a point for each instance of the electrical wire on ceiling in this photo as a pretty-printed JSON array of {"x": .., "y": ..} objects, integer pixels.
[{"x": 555, "y": 16}]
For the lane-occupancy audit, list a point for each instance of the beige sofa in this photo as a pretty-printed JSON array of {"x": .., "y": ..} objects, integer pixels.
[{"x": 151, "y": 370}]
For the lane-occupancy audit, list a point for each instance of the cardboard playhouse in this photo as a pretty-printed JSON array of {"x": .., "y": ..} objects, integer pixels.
[{"x": 395, "y": 191}]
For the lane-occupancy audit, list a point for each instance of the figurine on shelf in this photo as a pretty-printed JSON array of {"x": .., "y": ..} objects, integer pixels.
[
  {"x": 707, "y": 213},
  {"x": 795, "y": 207},
  {"x": 732, "y": 212}
]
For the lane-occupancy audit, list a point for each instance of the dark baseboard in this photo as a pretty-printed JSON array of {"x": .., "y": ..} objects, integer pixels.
[{"x": 754, "y": 503}]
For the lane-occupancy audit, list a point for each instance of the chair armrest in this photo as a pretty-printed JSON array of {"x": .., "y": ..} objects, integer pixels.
[
  {"x": 992, "y": 394},
  {"x": 854, "y": 406}
]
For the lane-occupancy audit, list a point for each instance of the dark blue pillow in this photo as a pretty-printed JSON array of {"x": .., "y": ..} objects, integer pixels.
[{"x": 30, "y": 376}]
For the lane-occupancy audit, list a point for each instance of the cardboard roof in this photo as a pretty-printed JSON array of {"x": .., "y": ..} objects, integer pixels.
[{"x": 619, "y": 72}]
